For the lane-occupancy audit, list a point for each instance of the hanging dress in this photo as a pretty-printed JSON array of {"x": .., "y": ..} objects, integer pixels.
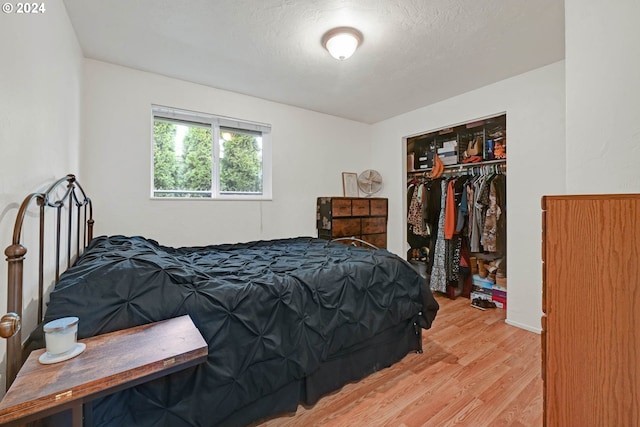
[
  {"x": 438, "y": 279},
  {"x": 414, "y": 216}
]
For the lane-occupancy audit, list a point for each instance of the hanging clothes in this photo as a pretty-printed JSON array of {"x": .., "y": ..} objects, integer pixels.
[
  {"x": 478, "y": 214},
  {"x": 418, "y": 231},
  {"x": 450, "y": 217},
  {"x": 463, "y": 209},
  {"x": 415, "y": 214},
  {"x": 438, "y": 279},
  {"x": 423, "y": 210},
  {"x": 492, "y": 234},
  {"x": 450, "y": 211}
]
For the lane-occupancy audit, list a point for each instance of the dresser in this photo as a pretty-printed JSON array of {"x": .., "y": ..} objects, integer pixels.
[
  {"x": 360, "y": 217},
  {"x": 591, "y": 305}
]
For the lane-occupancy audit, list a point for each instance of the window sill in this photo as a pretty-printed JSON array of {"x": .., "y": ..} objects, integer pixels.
[{"x": 212, "y": 199}]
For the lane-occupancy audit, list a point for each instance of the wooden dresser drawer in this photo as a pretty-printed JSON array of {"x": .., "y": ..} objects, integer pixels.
[
  {"x": 341, "y": 207},
  {"x": 360, "y": 207},
  {"x": 374, "y": 225},
  {"x": 378, "y": 240},
  {"x": 379, "y": 207},
  {"x": 346, "y": 227}
]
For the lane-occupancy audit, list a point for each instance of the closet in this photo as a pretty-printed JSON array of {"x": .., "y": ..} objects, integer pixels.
[{"x": 456, "y": 210}]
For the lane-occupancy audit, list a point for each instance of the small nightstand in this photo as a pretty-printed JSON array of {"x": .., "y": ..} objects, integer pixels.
[{"x": 110, "y": 362}]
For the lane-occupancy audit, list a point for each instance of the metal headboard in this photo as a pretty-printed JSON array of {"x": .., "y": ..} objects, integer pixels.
[
  {"x": 73, "y": 197},
  {"x": 353, "y": 241}
]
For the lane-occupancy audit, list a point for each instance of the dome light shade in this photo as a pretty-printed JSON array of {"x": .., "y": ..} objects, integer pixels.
[{"x": 342, "y": 42}]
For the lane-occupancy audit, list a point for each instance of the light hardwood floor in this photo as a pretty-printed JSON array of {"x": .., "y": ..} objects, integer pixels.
[{"x": 475, "y": 371}]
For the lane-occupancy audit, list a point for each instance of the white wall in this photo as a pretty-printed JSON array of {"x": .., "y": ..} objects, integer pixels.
[
  {"x": 310, "y": 150},
  {"x": 40, "y": 83},
  {"x": 603, "y": 96},
  {"x": 535, "y": 107}
]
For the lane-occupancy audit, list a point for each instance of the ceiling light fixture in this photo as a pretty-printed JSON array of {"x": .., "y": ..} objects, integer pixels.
[{"x": 341, "y": 42}]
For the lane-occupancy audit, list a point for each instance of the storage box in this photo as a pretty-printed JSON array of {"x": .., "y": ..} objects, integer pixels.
[
  {"x": 449, "y": 158},
  {"x": 482, "y": 288},
  {"x": 424, "y": 161},
  {"x": 448, "y": 153},
  {"x": 450, "y": 145},
  {"x": 497, "y": 287},
  {"x": 480, "y": 295},
  {"x": 446, "y": 150},
  {"x": 482, "y": 282},
  {"x": 499, "y": 296},
  {"x": 500, "y": 302},
  {"x": 482, "y": 291},
  {"x": 498, "y": 293}
]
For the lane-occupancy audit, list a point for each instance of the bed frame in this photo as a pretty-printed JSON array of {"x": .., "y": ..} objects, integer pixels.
[{"x": 72, "y": 205}]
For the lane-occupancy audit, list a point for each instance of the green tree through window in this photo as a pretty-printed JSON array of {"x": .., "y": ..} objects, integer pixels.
[
  {"x": 240, "y": 163},
  {"x": 165, "y": 165},
  {"x": 197, "y": 160},
  {"x": 186, "y": 165}
]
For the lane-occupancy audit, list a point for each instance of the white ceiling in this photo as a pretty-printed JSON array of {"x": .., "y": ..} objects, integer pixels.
[{"x": 415, "y": 52}]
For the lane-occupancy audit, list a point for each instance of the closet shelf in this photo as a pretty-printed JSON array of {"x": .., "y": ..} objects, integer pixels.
[{"x": 462, "y": 166}]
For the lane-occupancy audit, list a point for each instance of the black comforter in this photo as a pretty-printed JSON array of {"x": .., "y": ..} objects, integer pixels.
[{"x": 270, "y": 311}]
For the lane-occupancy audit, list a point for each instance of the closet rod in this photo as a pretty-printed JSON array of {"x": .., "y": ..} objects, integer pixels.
[{"x": 462, "y": 166}]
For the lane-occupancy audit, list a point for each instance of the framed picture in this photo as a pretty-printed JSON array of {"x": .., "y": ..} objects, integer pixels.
[{"x": 350, "y": 184}]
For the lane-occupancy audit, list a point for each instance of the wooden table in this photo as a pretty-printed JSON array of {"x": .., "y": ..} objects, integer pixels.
[{"x": 110, "y": 362}]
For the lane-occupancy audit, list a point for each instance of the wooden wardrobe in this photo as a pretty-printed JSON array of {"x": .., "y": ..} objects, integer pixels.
[{"x": 591, "y": 305}]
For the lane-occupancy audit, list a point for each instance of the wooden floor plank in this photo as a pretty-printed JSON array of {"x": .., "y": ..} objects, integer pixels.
[
  {"x": 475, "y": 371},
  {"x": 523, "y": 411}
]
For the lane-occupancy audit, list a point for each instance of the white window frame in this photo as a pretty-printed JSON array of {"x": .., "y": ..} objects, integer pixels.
[{"x": 216, "y": 122}]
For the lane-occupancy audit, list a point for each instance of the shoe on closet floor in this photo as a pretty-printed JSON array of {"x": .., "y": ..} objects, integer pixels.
[{"x": 482, "y": 269}]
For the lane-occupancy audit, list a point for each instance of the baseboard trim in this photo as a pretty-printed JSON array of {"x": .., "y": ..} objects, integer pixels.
[{"x": 523, "y": 326}]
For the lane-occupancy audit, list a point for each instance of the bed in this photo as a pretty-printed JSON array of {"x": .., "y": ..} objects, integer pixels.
[{"x": 286, "y": 321}]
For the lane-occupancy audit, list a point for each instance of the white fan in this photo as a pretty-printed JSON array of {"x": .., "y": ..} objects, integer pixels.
[{"x": 370, "y": 181}]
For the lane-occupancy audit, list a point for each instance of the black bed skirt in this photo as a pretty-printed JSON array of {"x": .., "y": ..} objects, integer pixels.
[{"x": 353, "y": 364}]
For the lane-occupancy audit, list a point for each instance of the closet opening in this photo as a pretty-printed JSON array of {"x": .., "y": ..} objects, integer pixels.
[{"x": 457, "y": 210}]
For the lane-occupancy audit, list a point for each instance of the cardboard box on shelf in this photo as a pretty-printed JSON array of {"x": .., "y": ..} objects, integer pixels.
[
  {"x": 449, "y": 158},
  {"x": 450, "y": 145}
]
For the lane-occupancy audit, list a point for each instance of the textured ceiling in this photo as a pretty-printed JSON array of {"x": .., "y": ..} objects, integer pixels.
[{"x": 415, "y": 52}]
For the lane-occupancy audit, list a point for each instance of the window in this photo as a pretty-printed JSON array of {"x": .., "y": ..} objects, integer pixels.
[{"x": 197, "y": 155}]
